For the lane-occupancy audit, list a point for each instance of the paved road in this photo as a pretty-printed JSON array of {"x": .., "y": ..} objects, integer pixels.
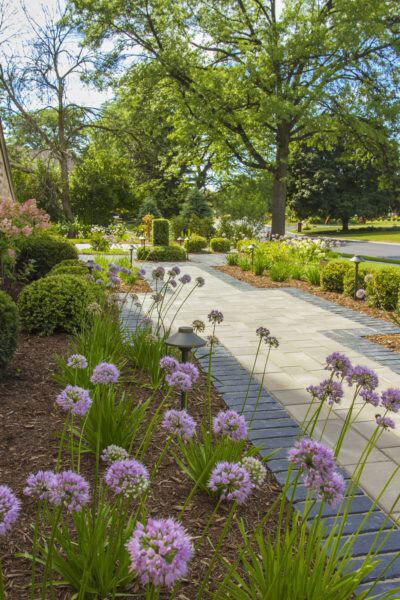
[{"x": 373, "y": 249}]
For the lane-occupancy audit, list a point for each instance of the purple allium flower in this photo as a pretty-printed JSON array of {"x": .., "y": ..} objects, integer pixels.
[
  {"x": 125, "y": 271},
  {"x": 97, "y": 267},
  {"x": 128, "y": 477},
  {"x": 331, "y": 489},
  {"x": 255, "y": 469},
  {"x": 77, "y": 361},
  {"x": 198, "y": 326},
  {"x": 370, "y": 397},
  {"x": 231, "y": 481},
  {"x": 385, "y": 422},
  {"x": 169, "y": 363},
  {"x": 328, "y": 390},
  {"x": 157, "y": 297},
  {"x": 171, "y": 273},
  {"x": 112, "y": 269},
  {"x": 105, "y": 373},
  {"x": 215, "y": 316},
  {"x": 231, "y": 424},
  {"x": 99, "y": 282},
  {"x": 158, "y": 273},
  {"x": 391, "y": 399},
  {"x": 148, "y": 321},
  {"x": 339, "y": 364},
  {"x": 262, "y": 332},
  {"x": 113, "y": 453},
  {"x": 176, "y": 270},
  {"x": 272, "y": 341},
  {"x": 9, "y": 509},
  {"x": 141, "y": 274},
  {"x": 313, "y": 457},
  {"x": 75, "y": 399},
  {"x": 200, "y": 281},
  {"x": 40, "y": 485},
  {"x": 180, "y": 423},
  {"x": 114, "y": 279},
  {"x": 71, "y": 490},
  {"x": 173, "y": 283},
  {"x": 190, "y": 369},
  {"x": 185, "y": 279},
  {"x": 363, "y": 376},
  {"x": 180, "y": 380},
  {"x": 360, "y": 294},
  {"x": 160, "y": 551}
]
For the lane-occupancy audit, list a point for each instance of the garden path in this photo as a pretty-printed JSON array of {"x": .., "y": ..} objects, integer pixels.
[{"x": 308, "y": 328}]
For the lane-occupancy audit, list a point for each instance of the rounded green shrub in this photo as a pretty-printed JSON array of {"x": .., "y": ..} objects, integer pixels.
[
  {"x": 8, "y": 329},
  {"x": 160, "y": 232},
  {"x": 161, "y": 253},
  {"x": 69, "y": 262},
  {"x": 60, "y": 269},
  {"x": 332, "y": 275},
  {"x": 196, "y": 243},
  {"x": 220, "y": 245},
  {"x": 55, "y": 303},
  {"x": 383, "y": 288},
  {"x": 350, "y": 278},
  {"x": 46, "y": 251}
]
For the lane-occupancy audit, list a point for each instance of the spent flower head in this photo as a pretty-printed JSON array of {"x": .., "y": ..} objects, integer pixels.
[
  {"x": 255, "y": 469},
  {"x": 77, "y": 361},
  {"x": 262, "y": 332},
  {"x": 113, "y": 453},
  {"x": 179, "y": 423},
  {"x": 160, "y": 551},
  {"x": 271, "y": 341},
  {"x": 200, "y": 281},
  {"x": 75, "y": 399},
  {"x": 128, "y": 477},
  {"x": 231, "y": 481},
  {"x": 9, "y": 509},
  {"x": 360, "y": 294},
  {"x": 198, "y": 326},
  {"x": 231, "y": 424},
  {"x": 105, "y": 373},
  {"x": 215, "y": 316}
]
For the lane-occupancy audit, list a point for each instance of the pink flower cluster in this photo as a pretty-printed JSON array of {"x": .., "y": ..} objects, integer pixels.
[
  {"x": 181, "y": 376},
  {"x": 67, "y": 489},
  {"x": 231, "y": 424},
  {"x": 21, "y": 219},
  {"x": 231, "y": 481},
  {"x": 179, "y": 423}
]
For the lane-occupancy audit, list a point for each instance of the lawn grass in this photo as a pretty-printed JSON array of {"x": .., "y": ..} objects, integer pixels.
[{"x": 386, "y": 231}]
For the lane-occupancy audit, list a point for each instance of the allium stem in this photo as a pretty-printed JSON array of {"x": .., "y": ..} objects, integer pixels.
[
  {"x": 62, "y": 439},
  {"x": 260, "y": 388},
  {"x": 251, "y": 376},
  {"x": 34, "y": 548},
  {"x": 50, "y": 551},
  {"x": 80, "y": 441},
  {"x": 160, "y": 458},
  {"x": 2, "y": 593},
  {"x": 149, "y": 432},
  {"x": 346, "y": 424},
  {"x": 209, "y": 378}
]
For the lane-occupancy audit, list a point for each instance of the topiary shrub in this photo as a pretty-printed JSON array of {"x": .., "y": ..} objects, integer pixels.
[
  {"x": 69, "y": 262},
  {"x": 8, "y": 329},
  {"x": 161, "y": 253},
  {"x": 220, "y": 245},
  {"x": 160, "y": 232},
  {"x": 332, "y": 275},
  {"x": 79, "y": 270},
  {"x": 55, "y": 303},
  {"x": 383, "y": 288},
  {"x": 46, "y": 251},
  {"x": 196, "y": 243},
  {"x": 350, "y": 277}
]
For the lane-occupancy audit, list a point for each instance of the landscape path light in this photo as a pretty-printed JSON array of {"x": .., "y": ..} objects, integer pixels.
[
  {"x": 180, "y": 240},
  {"x": 252, "y": 247},
  {"x": 143, "y": 241},
  {"x": 185, "y": 340},
  {"x": 90, "y": 265},
  {"x": 131, "y": 250},
  {"x": 356, "y": 260}
]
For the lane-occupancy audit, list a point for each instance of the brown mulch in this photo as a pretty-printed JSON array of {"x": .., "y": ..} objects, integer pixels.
[
  {"x": 264, "y": 281},
  {"x": 28, "y": 442},
  {"x": 140, "y": 287},
  {"x": 391, "y": 341}
]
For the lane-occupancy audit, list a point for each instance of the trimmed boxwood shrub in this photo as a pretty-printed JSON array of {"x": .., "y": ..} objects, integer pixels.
[
  {"x": 161, "y": 253},
  {"x": 69, "y": 262},
  {"x": 349, "y": 279},
  {"x": 220, "y": 245},
  {"x": 332, "y": 275},
  {"x": 160, "y": 232},
  {"x": 196, "y": 243},
  {"x": 55, "y": 303},
  {"x": 383, "y": 289},
  {"x": 8, "y": 329},
  {"x": 46, "y": 251},
  {"x": 69, "y": 270}
]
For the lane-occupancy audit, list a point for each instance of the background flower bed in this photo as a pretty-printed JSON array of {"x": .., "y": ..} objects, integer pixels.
[{"x": 30, "y": 427}]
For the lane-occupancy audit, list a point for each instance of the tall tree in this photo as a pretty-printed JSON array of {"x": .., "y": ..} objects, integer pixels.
[
  {"x": 257, "y": 81},
  {"x": 41, "y": 75}
]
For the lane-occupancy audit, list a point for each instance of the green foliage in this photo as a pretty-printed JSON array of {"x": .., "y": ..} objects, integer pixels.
[
  {"x": 312, "y": 274},
  {"x": 242, "y": 244},
  {"x": 46, "y": 251},
  {"x": 40, "y": 180},
  {"x": 195, "y": 204},
  {"x": 55, "y": 303},
  {"x": 99, "y": 242},
  {"x": 160, "y": 232},
  {"x": 220, "y": 244},
  {"x": 332, "y": 275},
  {"x": 202, "y": 226},
  {"x": 232, "y": 259},
  {"x": 149, "y": 207},
  {"x": 280, "y": 271},
  {"x": 161, "y": 253},
  {"x": 296, "y": 271},
  {"x": 383, "y": 289},
  {"x": 244, "y": 262},
  {"x": 245, "y": 196},
  {"x": 69, "y": 262},
  {"x": 261, "y": 263},
  {"x": 196, "y": 243},
  {"x": 8, "y": 329},
  {"x": 146, "y": 353},
  {"x": 61, "y": 269},
  {"x": 349, "y": 279},
  {"x": 235, "y": 231}
]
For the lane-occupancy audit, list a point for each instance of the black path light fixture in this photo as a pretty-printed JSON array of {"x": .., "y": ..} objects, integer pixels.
[
  {"x": 252, "y": 247},
  {"x": 185, "y": 340},
  {"x": 131, "y": 251},
  {"x": 143, "y": 240},
  {"x": 90, "y": 265},
  {"x": 179, "y": 240},
  {"x": 356, "y": 260}
]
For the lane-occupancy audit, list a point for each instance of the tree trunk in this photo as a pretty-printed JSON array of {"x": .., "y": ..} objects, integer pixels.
[
  {"x": 345, "y": 224},
  {"x": 280, "y": 180}
]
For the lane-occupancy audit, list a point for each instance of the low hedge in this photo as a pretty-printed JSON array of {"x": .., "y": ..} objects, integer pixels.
[
  {"x": 220, "y": 245},
  {"x": 349, "y": 279},
  {"x": 196, "y": 243},
  {"x": 161, "y": 253},
  {"x": 56, "y": 303},
  {"x": 8, "y": 329},
  {"x": 46, "y": 251},
  {"x": 79, "y": 270},
  {"x": 332, "y": 275},
  {"x": 383, "y": 288}
]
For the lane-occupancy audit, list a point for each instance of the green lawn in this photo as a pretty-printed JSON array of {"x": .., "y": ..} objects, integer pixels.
[{"x": 385, "y": 232}]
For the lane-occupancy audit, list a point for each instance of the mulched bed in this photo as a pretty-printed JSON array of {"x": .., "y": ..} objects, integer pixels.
[
  {"x": 28, "y": 442},
  {"x": 264, "y": 281},
  {"x": 389, "y": 341}
]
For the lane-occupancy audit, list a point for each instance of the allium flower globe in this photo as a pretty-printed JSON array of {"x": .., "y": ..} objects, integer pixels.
[
  {"x": 215, "y": 316},
  {"x": 385, "y": 422},
  {"x": 160, "y": 552},
  {"x": 331, "y": 489},
  {"x": 339, "y": 364},
  {"x": 9, "y": 509},
  {"x": 391, "y": 399},
  {"x": 231, "y": 424},
  {"x": 185, "y": 279},
  {"x": 255, "y": 469},
  {"x": 77, "y": 361},
  {"x": 328, "y": 390},
  {"x": 75, "y": 399},
  {"x": 128, "y": 477},
  {"x": 70, "y": 490},
  {"x": 262, "y": 332},
  {"x": 113, "y": 453},
  {"x": 363, "y": 377},
  {"x": 105, "y": 373},
  {"x": 231, "y": 481},
  {"x": 312, "y": 456},
  {"x": 179, "y": 423},
  {"x": 370, "y": 397},
  {"x": 179, "y": 380},
  {"x": 168, "y": 363},
  {"x": 200, "y": 281},
  {"x": 190, "y": 369},
  {"x": 40, "y": 484}
]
